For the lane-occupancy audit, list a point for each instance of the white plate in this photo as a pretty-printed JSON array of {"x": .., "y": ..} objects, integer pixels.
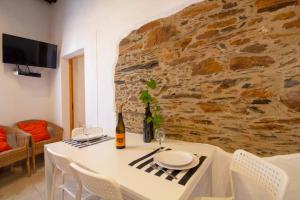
[
  {"x": 174, "y": 158},
  {"x": 91, "y": 136},
  {"x": 193, "y": 164}
]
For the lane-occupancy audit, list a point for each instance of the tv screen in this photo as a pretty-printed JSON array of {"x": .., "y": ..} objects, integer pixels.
[{"x": 22, "y": 51}]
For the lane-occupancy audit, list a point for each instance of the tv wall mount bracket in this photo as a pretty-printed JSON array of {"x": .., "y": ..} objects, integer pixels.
[{"x": 27, "y": 72}]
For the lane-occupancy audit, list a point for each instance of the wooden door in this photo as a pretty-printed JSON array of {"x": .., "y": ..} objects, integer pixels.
[{"x": 77, "y": 92}]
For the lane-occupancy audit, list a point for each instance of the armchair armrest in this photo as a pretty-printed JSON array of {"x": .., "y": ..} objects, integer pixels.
[
  {"x": 16, "y": 137},
  {"x": 23, "y": 138},
  {"x": 55, "y": 131}
]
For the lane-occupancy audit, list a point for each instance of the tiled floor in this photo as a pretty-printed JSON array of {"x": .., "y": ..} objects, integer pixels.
[{"x": 15, "y": 185}]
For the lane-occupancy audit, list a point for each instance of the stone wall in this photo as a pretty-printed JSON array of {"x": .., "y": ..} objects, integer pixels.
[{"x": 228, "y": 74}]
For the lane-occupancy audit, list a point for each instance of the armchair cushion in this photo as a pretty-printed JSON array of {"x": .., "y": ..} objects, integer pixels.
[
  {"x": 3, "y": 143},
  {"x": 38, "y": 129},
  {"x": 2, "y": 135},
  {"x": 4, "y": 146}
]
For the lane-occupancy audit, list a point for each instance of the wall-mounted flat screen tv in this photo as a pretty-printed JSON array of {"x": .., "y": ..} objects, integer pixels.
[{"x": 22, "y": 51}]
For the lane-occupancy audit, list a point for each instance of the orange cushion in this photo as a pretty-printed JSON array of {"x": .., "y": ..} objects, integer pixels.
[
  {"x": 3, "y": 144},
  {"x": 37, "y": 129},
  {"x": 2, "y": 135}
]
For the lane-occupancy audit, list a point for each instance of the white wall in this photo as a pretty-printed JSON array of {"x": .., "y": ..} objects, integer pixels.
[
  {"x": 25, "y": 97},
  {"x": 98, "y": 26}
]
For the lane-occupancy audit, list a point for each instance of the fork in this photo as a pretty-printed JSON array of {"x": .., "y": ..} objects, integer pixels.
[{"x": 153, "y": 165}]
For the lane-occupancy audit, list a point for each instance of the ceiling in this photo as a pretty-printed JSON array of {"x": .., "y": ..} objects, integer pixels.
[{"x": 51, "y": 1}]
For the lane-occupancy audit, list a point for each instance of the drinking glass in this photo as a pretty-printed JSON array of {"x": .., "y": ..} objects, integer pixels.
[{"x": 159, "y": 136}]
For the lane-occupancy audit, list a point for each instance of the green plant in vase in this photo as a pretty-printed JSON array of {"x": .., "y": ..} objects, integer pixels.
[{"x": 154, "y": 119}]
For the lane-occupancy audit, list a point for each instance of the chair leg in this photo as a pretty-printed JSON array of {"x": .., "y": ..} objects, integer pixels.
[
  {"x": 33, "y": 163},
  {"x": 78, "y": 192},
  {"x": 53, "y": 183},
  {"x": 63, "y": 182},
  {"x": 12, "y": 167},
  {"x": 28, "y": 167},
  {"x": 33, "y": 157}
]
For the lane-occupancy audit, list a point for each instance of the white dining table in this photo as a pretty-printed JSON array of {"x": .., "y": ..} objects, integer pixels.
[{"x": 105, "y": 159}]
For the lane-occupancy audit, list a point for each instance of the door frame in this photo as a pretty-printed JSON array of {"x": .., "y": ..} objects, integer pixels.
[
  {"x": 71, "y": 90},
  {"x": 71, "y": 94},
  {"x": 66, "y": 92}
]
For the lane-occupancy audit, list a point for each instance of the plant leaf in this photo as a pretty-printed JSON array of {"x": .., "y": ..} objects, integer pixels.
[
  {"x": 145, "y": 97},
  {"x": 151, "y": 84},
  {"x": 149, "y": 119},
  {"x": 157, "y": 120}
]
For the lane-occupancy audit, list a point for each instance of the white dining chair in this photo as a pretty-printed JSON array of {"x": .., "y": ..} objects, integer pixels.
[
  {"x": 89, "y": 130},
  {"x": 76, "y": 132},
  {"x": 270, "y": 178},
  {"x": 94, "y": 130},
  {"x": 97, "y": 184},
  {"x": 62, "y": 164}
]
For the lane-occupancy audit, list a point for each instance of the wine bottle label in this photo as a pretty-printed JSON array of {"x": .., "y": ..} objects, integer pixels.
[{"x": 120, "y": 139}]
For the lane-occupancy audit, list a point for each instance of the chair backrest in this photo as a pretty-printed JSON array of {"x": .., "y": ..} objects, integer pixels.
[
  {"x": 101, "y": 186},
  {"x": 96, "y": 130},
  {"x": 60, "y": 161},
  {"x": 77, "y": 131},
  {"x": 267, "y": 176},
  {"x": 90, "y": 130}
]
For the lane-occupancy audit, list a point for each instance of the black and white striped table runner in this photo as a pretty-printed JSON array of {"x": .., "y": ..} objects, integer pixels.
[
  {"x": 183, "y": 176},
  {"x": 86, "y": 144}
]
